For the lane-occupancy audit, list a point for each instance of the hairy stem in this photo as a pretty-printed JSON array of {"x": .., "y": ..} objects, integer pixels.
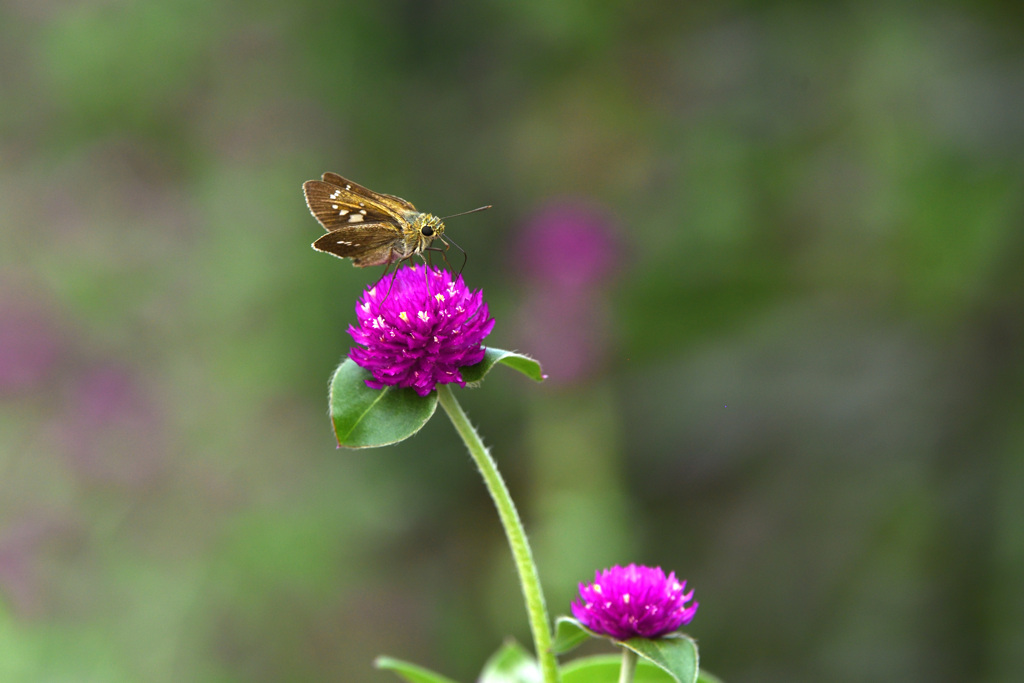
[{"x": 525, "y": 566}]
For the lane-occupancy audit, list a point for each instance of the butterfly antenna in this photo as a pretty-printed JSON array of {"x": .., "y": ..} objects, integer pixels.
[
  {"x": 465, "y": 256},
  {"x": 481, "y": 208}
]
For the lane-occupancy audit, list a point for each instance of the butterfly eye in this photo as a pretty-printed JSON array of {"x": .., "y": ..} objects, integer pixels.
[{"x": 427, "y": 231}]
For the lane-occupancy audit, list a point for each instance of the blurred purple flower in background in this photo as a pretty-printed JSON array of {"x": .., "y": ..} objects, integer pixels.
[
  {"x": 634, "y": 601},
  {"x": 568, "y": 252},
  {"x": 419, "y": 329},
  {"x": 570, "y": 244},
  {"x": 112, "y": 430},
  {"x": 29, "y": 345}
]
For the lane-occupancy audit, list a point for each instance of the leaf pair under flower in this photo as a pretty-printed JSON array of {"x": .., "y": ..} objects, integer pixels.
[
  {"x": 513, "y": 664},
  {"x": 674, "y": 654},
  {"x": 364, "y": 417}
]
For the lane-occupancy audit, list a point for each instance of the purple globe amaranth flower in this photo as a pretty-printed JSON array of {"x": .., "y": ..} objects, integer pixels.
[
  {"x": 419, "y": 328},
  {"x": 634, "y": 601}
]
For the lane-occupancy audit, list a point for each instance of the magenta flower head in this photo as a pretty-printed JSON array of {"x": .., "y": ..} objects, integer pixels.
[
  {"x": 634, "y": 601},
  {"x": 418, "y": 328}
]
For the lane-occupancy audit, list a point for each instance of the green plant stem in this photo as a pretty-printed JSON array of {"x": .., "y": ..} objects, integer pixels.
[
  {"x": 628, "y": 666},
  {"x": 525, "y": 566}
]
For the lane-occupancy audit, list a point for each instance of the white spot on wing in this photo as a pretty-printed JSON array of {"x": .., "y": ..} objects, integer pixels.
[
  {"x": 342, "y": 212},
  {"x": 334, "y": 206},
  {"x": 348, "y": 187},
  {"x": 362, "y": 211},
  {"x": 355, "y": 218}
]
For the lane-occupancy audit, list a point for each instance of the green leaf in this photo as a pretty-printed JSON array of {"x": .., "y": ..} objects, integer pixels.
[
  {"x": 410, "y": 672},
  {"x": 705, "y": 677},
  {"x": 366, "y": 418},
  {"x": 511, "y": 664},
  {"x": 569, "y": 633},
  {"x": 605, "y": 669},
  {"x": 675, "y": 653},
  {"x": 474, "y": 374}
]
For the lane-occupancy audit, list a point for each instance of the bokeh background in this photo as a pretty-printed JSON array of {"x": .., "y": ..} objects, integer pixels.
[{"x": 771, "y": 254}]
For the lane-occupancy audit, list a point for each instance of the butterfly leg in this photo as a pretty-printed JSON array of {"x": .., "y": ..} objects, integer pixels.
[
  {"x": 444, "y": 256},
  {"x": 427, "y": 265},
  {"x": 384, "y": 274},
  {"x": 394, "y": 275},
  {"x": 465, "y": 256}
]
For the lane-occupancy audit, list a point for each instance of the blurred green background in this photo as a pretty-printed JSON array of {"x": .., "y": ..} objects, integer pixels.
[{"x": 797, "y": 383}]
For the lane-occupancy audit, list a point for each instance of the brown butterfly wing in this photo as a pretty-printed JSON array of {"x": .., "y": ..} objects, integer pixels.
[
  {"x": 376, "y": 257},
  {"x": 335, "y": 207},
  {"x": 396, "y": 205},
  {"x": 367, "y": 244}
]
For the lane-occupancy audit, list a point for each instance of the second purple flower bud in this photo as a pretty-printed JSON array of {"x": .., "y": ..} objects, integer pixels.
[{"x": 634, "y": 602}]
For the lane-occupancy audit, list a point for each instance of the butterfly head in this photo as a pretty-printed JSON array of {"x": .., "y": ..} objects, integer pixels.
[{"x": 427, "y": 228}]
